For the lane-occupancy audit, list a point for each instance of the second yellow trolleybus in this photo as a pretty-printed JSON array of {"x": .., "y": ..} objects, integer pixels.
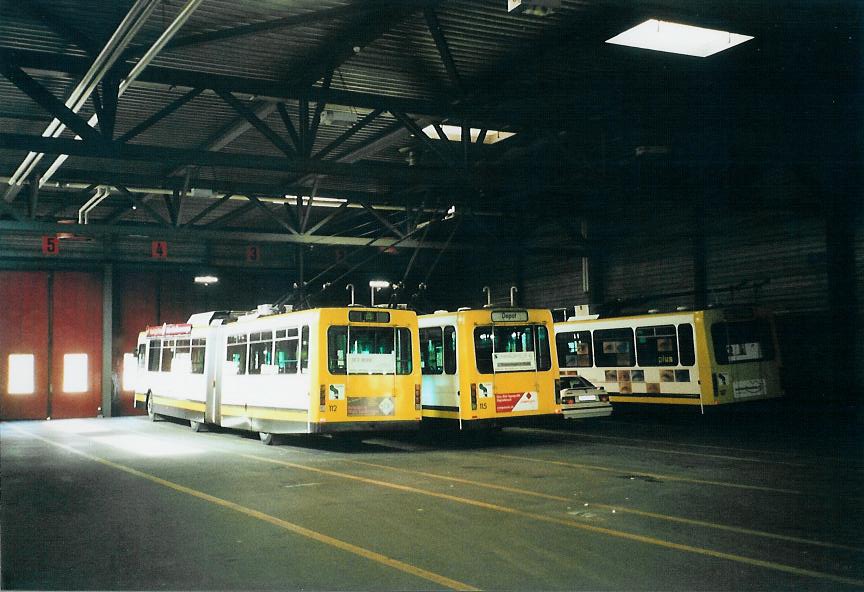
[{"x": 488, "y": 367}]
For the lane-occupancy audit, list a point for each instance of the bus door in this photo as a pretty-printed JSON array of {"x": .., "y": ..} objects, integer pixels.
[{"x": 213, "y": 363}]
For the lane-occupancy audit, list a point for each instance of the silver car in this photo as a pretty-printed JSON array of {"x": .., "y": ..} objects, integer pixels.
[{"x": 580, "y": 399}]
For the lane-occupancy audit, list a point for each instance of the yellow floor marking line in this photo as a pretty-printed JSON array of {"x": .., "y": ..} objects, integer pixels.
[
  {"x": 575, "y": 435},
  {"x": 816, "y": 460},
  {"x": 622, "y": 509},
  {"x": 295, "y": 528},
  {"x": 789, "y": 569},
  {"x": 651, "y": 475}
]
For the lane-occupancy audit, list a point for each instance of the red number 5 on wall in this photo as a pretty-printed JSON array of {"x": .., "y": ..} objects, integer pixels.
[{"x": 50, "y": 245}]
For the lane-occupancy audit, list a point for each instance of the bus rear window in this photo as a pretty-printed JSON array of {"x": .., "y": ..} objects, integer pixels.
[
  {"x": 574, "y": 349},
  {"x": 369, "y": 350},
  {"x": 522, "y": 348},
  {"x": 738, "y": 342}
]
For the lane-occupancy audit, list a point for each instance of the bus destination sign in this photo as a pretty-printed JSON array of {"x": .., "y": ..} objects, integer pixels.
[{"x": 509, "y": 316}]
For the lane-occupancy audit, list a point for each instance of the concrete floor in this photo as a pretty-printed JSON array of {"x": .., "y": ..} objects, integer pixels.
[{"x": 635, "y": 501}]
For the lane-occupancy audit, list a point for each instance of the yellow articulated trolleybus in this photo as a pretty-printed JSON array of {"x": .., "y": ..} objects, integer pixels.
[
  {"x": 323, "y": 370},
  {"x": 704, "y": 357},
  {"x": 488, "y": 367}
]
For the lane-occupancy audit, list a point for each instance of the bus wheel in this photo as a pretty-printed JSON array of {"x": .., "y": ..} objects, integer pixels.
[
  {"x": 266, "y": 438},
  {"x": 150, "y": 412},
  {"x": 195, "y": 425}
]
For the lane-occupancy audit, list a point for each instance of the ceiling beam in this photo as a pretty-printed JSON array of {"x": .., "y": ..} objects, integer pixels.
[
  {"x": 70, "y": 65},
  {"x": 386, "y": 172},
  {"x": 256, "y": 122},
  {"x": 61, "y": 27},
  {"x": 434, "y": 26},
  {"x": 49, "y": 102},
  {"x": 196, "y": 234},
  {"x": 160, "y": 115}
]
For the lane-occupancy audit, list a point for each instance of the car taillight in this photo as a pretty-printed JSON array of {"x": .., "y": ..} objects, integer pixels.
[
  {"x": 417, "y": 396},
  {"x": 473, "y": 397},
  {"x": 603, "y": 397},
  {"x": 557, "y": 391},
  {"x": 569, "y": 400},
  {"x": 322, "y": 396}
]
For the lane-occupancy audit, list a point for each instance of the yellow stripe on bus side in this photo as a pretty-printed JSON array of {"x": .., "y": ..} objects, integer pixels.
[
  {"x": 798, "y": 571},
  {"x": 289, "y": 526},
  {"x": 178, "y": 403},
  {"x": 265, "y": 413}
]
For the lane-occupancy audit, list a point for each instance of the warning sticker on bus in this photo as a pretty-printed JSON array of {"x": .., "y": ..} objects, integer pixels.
[{"x": 507, "y": 402}]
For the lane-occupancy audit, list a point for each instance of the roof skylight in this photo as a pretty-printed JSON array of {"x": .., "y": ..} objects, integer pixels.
[
  {"x": 454, "y": 133},
  {"x": 677, "y": 38}
]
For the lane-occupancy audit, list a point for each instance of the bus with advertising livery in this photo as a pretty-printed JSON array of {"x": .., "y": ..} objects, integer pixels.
[
  {"x": 700, "y": 358},
  {"x": 488, "y": 367},
  {"x": 324, "y": 370}
]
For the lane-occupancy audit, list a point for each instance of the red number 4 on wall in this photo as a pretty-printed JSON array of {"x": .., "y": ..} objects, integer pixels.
[{"x": 159, "y": 250}]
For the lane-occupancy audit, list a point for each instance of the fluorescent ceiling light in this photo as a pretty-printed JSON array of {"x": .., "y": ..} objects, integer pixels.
[
  {"x": 454, "y": 133},
  {"x": 678, "y": 38},
  {"x": 206, "y": 279},
  {"x": 317, "y": 201},
  {"x": 379, "y": 284}
]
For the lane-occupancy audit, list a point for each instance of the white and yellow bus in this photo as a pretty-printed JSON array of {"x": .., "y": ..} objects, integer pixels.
[
  {"x": 488, "y": 367},
  {"x": 312, "y": 371},
  {"x": 704, "y": 357}
]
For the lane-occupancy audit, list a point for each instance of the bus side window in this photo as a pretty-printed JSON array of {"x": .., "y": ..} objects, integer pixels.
[
  {"x": 431, "y": 351},
  {"x": 167, "y": 355},
  {"x": 574, "y": 349},
  {"x": 404, "y": 359},
  {"x": 198, "y": 351},
  {"x": 236, "y": 352},
  {"x": 260, "y": 351},
  {"x": 614, "y": 348},
  {"x": 155, "y": 355},
  {"x": 287, "y": 346},
  {"x": 337, "y": 349},
  {"x": 544, "y": 360},
  {"x": 656, "y": 346},
  {"x": 142, "y": 350},
  {"x": 450, "y": 350},
  {"x": 685, "y": 344},
  {"x": 304, "y": 350}
]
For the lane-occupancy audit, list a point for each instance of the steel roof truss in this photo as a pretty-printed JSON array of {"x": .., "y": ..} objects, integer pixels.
[
  {"x": 49, "y": 102},
  {"x": 256, "y": 122},
  {"x": 443, "y": 49},
  {"x": 160, "y": 115},
  {"x": 208, "y": 209}
]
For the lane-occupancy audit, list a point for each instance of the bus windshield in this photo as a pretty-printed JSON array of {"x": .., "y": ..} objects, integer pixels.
[
  {"x": 511, "y": 348},
  {"x": 369, "y": 350}
]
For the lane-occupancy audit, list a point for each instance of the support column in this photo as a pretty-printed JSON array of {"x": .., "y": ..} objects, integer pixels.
[
  {"x": 107, "y": 339},
  {"x": 842, "y": 305}
]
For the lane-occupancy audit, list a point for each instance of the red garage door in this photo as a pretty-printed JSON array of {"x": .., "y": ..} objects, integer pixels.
[{"x": 50, "y": 344}]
